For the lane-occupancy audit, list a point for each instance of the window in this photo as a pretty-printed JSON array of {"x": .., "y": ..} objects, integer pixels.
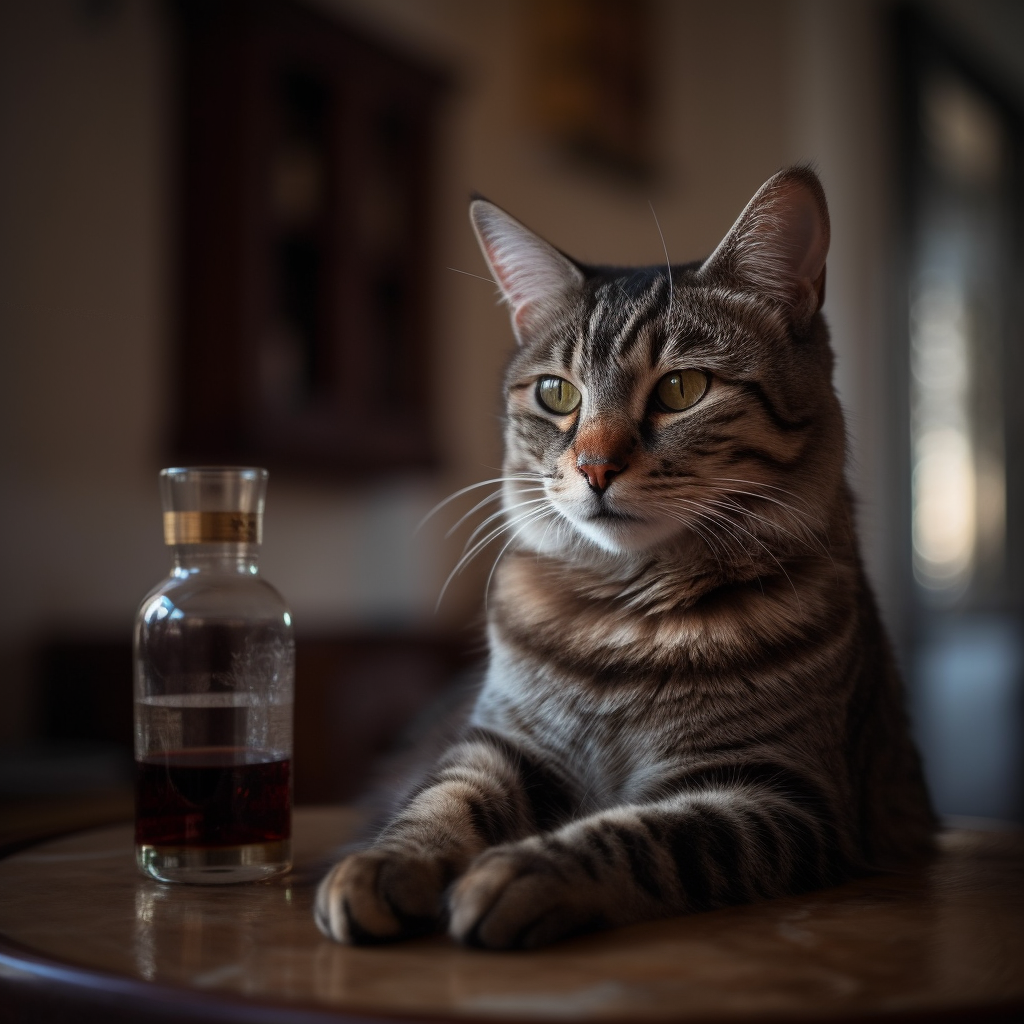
[{"x": 964, "y": 279}]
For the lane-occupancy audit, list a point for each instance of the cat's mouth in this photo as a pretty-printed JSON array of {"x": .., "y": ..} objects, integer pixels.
[{"x": 610, "y": 515}]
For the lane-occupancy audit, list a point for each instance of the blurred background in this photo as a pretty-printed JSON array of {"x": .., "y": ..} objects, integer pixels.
[{"x": 235, "y": 231}]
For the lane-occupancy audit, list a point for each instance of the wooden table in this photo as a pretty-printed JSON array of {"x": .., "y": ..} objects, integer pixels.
[{"x": 84, "y": 937}]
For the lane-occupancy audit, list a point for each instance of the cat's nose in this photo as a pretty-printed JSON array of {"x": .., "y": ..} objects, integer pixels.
[{"x": 599, "y": 474}]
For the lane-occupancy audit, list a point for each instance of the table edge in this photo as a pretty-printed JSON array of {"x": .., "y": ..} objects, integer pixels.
[
  {"x": 22, "y": 968},
  {"x": 58, "y": 991}
]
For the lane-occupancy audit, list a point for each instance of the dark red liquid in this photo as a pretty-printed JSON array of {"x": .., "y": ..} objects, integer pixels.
[{"x": 217, "y": 796}]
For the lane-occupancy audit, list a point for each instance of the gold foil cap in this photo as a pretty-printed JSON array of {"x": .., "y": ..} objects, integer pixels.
[{"x": 213, "y": 528}]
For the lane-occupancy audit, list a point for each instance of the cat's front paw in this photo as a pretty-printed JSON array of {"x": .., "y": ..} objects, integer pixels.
[
  {"x": 520, "y": 897},
  {"x": 380, "y": 896}
]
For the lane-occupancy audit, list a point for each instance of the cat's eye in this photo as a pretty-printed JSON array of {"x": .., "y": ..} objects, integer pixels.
[
  {"x": 558, "y": 395},
  {"x": 680, "y": 389}
]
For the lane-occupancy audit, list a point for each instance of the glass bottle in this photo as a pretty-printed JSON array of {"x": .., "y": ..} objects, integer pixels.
[{"x": 214, "y": 671}]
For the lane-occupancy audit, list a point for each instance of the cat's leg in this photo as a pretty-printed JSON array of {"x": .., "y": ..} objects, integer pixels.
[
  {"x": 639, "y": 862},
  {"x": 484, "y": 791}
]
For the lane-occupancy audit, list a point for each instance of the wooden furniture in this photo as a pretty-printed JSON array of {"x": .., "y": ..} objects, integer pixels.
[
  {"x": 84, "y": 937},
  {"x": 304, "y": 194},
  {"x": 355, "y": 696}
]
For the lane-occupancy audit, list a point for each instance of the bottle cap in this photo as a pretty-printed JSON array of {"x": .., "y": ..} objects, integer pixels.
[{"x": 213, "y": 504}]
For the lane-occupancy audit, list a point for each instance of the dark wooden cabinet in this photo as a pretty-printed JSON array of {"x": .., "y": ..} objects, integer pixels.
[{"x": 303, "y": 222}]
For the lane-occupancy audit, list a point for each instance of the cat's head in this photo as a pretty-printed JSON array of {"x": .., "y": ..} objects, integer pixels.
[{"x": 666, "y": 406}]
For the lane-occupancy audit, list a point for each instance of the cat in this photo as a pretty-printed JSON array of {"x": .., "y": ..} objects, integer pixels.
[{"x": 690, "y": 699}]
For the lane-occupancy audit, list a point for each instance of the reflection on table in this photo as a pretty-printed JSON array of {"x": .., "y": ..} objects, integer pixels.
[{"x": 950, "y": 937}]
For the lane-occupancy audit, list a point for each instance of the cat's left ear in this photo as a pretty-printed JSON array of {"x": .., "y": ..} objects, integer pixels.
[
  {"x": 534, "y": 277},
  {"x": 779, "y": 244}
]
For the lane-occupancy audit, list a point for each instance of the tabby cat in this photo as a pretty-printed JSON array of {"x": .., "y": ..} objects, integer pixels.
[{"x": 690, "y": 699}]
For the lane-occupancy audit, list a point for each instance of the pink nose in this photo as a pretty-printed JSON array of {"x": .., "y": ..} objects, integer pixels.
[{"x": 599, "y": 474}]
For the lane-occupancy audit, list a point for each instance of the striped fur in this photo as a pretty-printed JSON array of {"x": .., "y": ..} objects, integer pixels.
[{"x": 690, "y": 700}]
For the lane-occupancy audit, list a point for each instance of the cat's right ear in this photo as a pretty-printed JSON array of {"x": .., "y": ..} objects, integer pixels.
[{"x": 534, "y": 277}]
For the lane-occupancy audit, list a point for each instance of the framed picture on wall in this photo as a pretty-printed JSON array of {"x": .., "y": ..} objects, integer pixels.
[{"x": 589, "y": 85}]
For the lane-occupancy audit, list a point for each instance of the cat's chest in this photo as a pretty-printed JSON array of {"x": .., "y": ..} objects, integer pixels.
[
  {"x": 612, "y": 739},
  {"x": 602, "y": 634}
]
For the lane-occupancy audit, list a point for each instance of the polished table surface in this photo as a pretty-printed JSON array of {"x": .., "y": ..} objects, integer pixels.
[{"x": 81, "y": 929}]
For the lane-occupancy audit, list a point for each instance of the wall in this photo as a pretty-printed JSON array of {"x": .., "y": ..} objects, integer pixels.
[{"x": 743, "y": 87}]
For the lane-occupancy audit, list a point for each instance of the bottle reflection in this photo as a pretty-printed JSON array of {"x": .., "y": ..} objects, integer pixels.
[{"x": 215, "y": 940}]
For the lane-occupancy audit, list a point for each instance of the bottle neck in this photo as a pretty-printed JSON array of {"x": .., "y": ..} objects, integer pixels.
[{"x": 240, "y": 559}]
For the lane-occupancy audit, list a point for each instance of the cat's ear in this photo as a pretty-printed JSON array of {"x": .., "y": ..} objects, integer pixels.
[
  {"x": 779, "y": 244},
  {"x": 534, "y": 277}
]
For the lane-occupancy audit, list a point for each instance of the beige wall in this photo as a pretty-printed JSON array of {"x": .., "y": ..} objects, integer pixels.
[{"x": 743, "y": 87}]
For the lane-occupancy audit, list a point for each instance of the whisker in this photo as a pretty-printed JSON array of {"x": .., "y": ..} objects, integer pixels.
[
  {"x": 770, "y": 554},
  {"x": 533, "y": 516},
  {"x": 807, "y": 533},
  {"x": 501, "y": 512},
  {"x": 468, "y": 556},
  {"x": 721, "y": 522},
  {"x": 773, "y": 487},
  {"x": 731, "y": 542},
  {"x": 707, "y": 536},
  {"x": 736, "y": 507},
  {"x": 811, "y": 531},
  {"x": 804, "y": 520},
  {"x": 672, "y": 512},
  {"x": 767, "y": 497},
  {"x": 469, "y": 553},
  {"x": 763, "y": 497},
  {"x": 496, "y": 496},
  {"x": 544, "y": 535},
  {"x": 466, "y": 273},
  {"x": 668, "y": 262},
  {"x": 534, "y": 479}
]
